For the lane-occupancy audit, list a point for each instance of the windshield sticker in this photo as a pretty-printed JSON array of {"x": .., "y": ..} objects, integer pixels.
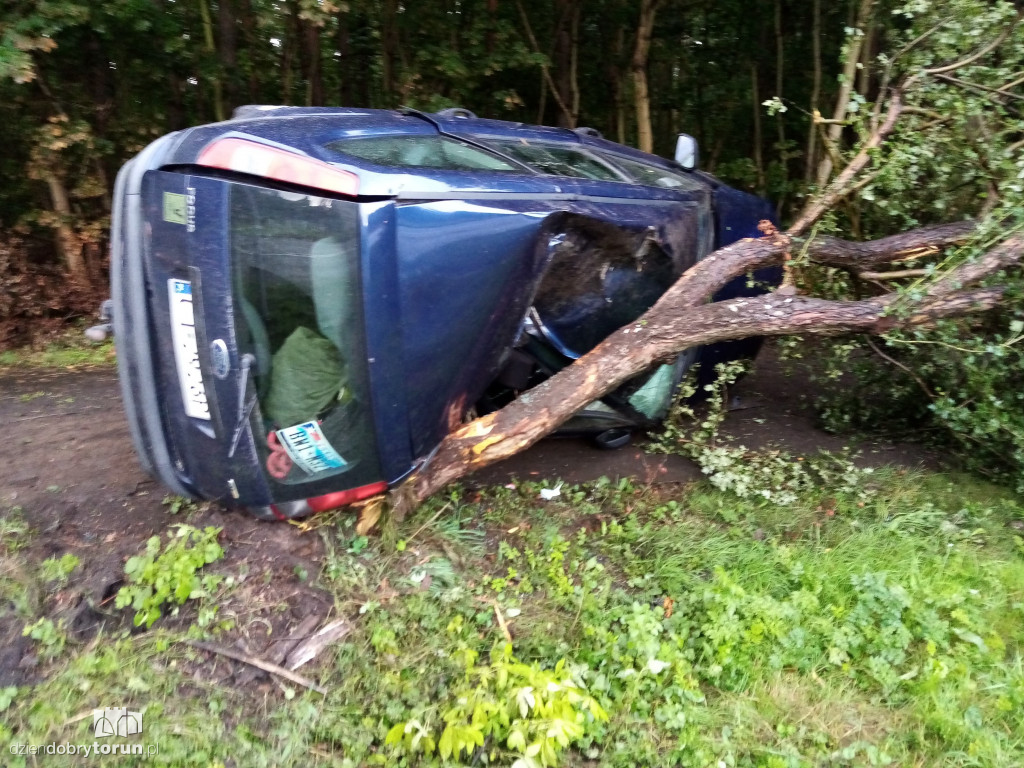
[
  {"x": 308, "y": 448},
  {"x": 186, "y": 350}
]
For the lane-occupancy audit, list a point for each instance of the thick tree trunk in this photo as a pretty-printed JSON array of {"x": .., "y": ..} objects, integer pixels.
[
  {"x": 68, "y": 243},
  {"x": 681, "y": 319},
  {"x": 638, "y": 67},
  {"x": 211, "y": 48},
  {"x": 564, "y": 60},
  {"x": 309, "y": 59}
]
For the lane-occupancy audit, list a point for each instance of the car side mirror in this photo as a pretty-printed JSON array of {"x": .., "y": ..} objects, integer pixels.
[{"x": 687, "y": 153}]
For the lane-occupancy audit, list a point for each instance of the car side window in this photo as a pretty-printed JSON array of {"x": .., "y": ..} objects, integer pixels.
[
  {"x": 437, "y": 152},
  {"x": 557, "y": 161},
  {"x": 654, "y": 176}
]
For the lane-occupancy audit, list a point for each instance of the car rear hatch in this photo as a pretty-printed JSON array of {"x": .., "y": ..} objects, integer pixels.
[{"x": 241, "y": 336}]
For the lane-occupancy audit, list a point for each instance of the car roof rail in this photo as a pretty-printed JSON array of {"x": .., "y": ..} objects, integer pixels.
[
  {"x": 456, "y": 112},
  {"x": 253, "y": 110},
  {"x": 584, "y": 130}
]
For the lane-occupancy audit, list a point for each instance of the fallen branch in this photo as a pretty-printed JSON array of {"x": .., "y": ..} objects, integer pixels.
[
  {"x": 311, "y": 647},
  {"x": 680, "y": 320},
  {"x": 498, "y": 615},
  {"x": 252, "y": 661}
]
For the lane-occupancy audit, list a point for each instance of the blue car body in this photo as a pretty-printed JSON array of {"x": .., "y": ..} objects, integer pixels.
[{"x": 306, "y": 300}]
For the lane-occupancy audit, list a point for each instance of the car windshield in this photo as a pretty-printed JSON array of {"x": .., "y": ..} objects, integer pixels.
[
  {"x": 557, "y": 161},
  {"x": 298, "y": 312},
  {"x": 438, "y": 152}
]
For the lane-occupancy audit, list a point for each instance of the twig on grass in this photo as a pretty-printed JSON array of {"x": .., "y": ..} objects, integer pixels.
[
  {"x": 252, "y": 661},
  {"x": 497, "y": 612}
]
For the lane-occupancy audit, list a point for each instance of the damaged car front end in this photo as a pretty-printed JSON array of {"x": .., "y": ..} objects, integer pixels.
[{"x": 306, "y": 300}]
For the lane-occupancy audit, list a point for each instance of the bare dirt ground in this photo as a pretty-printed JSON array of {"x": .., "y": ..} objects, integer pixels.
[{"x": 67, "y": 462}]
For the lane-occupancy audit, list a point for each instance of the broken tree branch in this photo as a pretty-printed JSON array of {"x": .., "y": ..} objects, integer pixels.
[
  {"x": 701, "y": 281},
  {"x": 680, "y": 320},
  {"x": 838, "y": 188}
]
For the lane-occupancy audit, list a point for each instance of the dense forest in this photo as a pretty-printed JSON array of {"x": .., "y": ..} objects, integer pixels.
[{"x": 84, "y": 85}]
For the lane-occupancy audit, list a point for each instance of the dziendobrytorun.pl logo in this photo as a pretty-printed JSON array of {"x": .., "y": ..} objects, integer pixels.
[{"x": 106, "y": 722}]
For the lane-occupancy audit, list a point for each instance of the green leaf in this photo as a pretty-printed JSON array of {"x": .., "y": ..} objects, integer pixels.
[
  {"x": 395, "y": 734},
  {"x": 516, "y": 740},
  {"x": 445, "y": 745}
]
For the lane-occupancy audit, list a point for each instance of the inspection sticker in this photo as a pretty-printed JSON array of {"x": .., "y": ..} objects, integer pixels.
[
  {"x": 186, "y": 350},
  {"x": 174, "y": 208},
  {"x": 308, "y": 447}
]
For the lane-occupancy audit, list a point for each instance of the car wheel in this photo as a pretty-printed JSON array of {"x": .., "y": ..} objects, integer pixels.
[{"x": 613, "y": 439}]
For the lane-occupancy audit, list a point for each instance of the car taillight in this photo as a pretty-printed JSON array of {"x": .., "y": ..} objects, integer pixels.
[
  {"x": 258, "y": 159},
  {"x": 292, "y": 509},
  {"x": 343, "y": 498}
]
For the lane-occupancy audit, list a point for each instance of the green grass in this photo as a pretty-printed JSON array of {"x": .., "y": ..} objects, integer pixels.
[
  {"x": 842, "y": 630},
  {"x": 70, "y": 349}
]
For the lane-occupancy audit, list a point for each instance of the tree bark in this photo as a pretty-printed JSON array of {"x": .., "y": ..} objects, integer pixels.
[
  {"x": 638, "y": 67},
  {"x": 68, "y": 243},
  {"x": 309, "y": 59},
  {"x": 211, "y": 48},
  {"x": 564, "y": 60},
  {"x": 780, "y": 117}
]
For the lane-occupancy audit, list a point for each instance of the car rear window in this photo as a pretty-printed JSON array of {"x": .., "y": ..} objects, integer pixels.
[
  {"x": 298, "y": 302},
  {"x": 438, "y": 152}
]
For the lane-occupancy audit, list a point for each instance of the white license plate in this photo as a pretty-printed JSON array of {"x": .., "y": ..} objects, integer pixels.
[
  {"x": 308, "y": 447},
  {"x": 186, "y": 349}
]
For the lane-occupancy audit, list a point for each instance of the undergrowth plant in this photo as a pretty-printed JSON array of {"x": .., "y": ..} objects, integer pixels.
[
  {"x": 522, "y": 711},
  {"x": 773, "y": 474},
  {"x": 168, "y": 574}
]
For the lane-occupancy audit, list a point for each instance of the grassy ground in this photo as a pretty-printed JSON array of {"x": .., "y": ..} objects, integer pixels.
[
  {"x": 613, "y": 625},
  {"x": 69, "y": 349}
]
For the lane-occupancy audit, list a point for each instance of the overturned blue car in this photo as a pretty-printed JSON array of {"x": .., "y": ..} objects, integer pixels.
[{"x": 306, "y": 300}]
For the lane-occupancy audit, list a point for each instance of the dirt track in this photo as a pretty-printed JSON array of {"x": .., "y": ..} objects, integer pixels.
[{"x": 67, "y": 461}]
